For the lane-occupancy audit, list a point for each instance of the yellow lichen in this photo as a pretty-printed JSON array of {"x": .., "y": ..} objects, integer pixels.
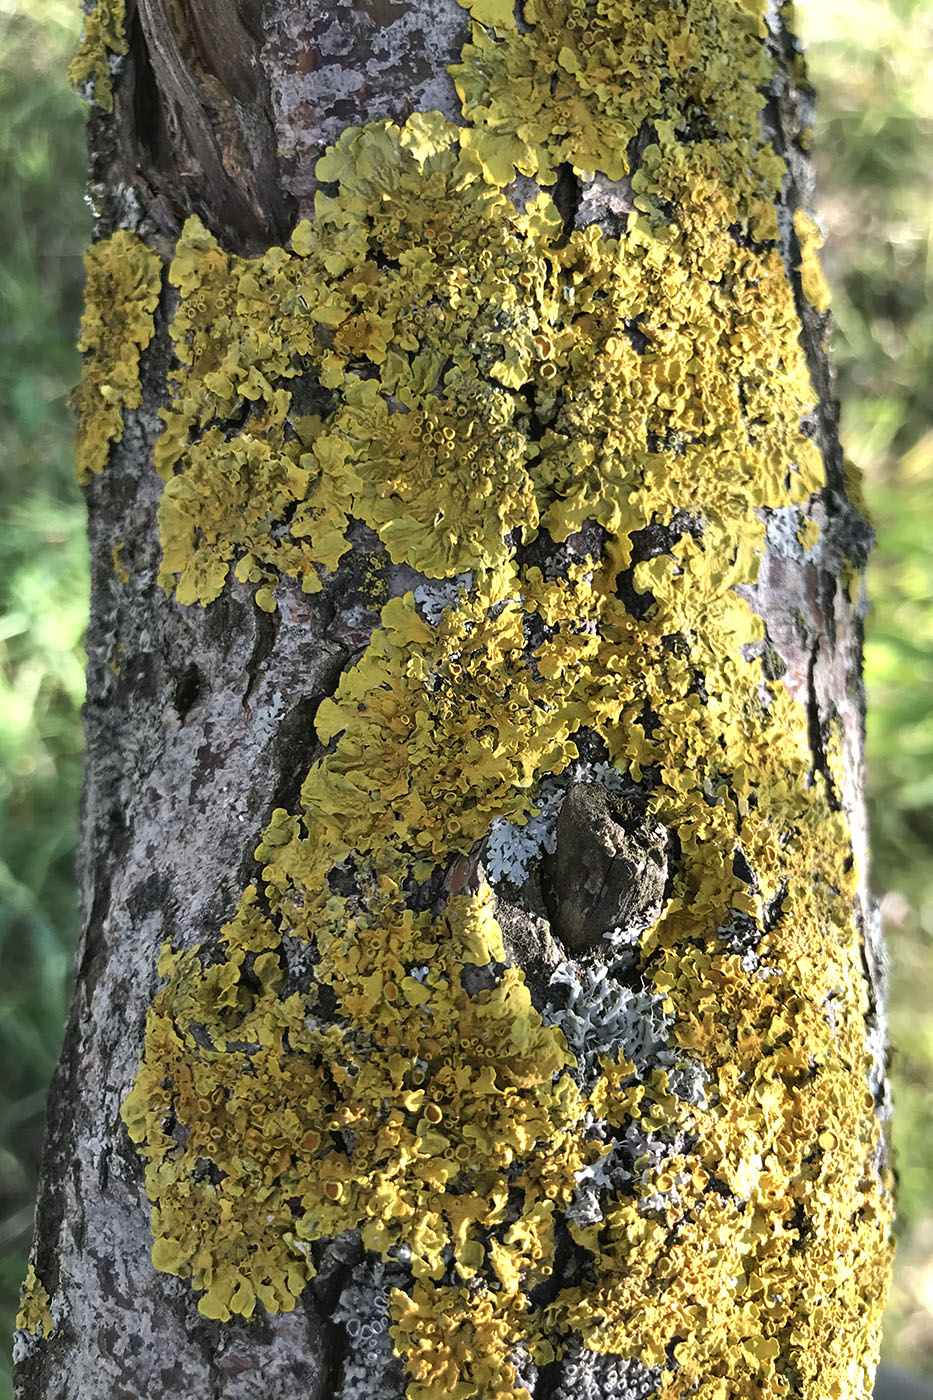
[
  {"x": 459, "y": 373},
  {"x": 812, "y": 278},
  {"x": 374, "y": 448},
  {"x": 124, "y": 279},
  {"x": 34, "y": 1315},
  {"x": 104, "y": 37},
  {"x": 120, "y": 571},
  {"x": 809, "y": 534}
]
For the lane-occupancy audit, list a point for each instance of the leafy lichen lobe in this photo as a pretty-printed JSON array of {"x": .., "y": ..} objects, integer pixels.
[
  {"x": 104, "y": 41},
  {"x": 34, "y": 1316},
  {"x": 123, "y": 284}
]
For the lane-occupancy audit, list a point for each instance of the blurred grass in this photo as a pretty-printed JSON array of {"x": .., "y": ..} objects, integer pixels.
[
  {"x": 871, "y": 61},
  {"x": 44, "y": 226}
]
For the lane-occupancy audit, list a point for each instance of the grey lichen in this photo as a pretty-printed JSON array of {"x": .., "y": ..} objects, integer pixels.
[
  {"x": 371, "y": 1371},
  {"x": 585, "y": 1375},
  {"x": 512, "y": 849},
  {"x": 601, "y": 1016},
  {"x": 434, "y": 596}
]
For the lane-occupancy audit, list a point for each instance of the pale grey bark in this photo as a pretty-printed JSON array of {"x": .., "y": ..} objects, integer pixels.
[{"x": 344, "y": 63}]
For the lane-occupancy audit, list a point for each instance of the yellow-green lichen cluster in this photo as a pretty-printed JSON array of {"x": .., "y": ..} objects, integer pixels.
[
  {"x": 123, "y": 283},
  {"x": 34, "y": 1315},
  {"x": 577, "y": 82},
  {"x": 427, "y": 452},
  {"x": 104, "y": 37},
  {"x": 812, "y": 278},
  {"x": 426, "y": 327},
  {"x": 459, "y": 373}
]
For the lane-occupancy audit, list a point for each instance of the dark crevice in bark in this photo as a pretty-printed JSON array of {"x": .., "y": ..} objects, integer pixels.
[
  {"x": 567, "y": 193},
  {"x": 550, "y": 1379},
  {"x": 655, "y": 539},
  {"x": 91, "y": 949},
  {"x": 308, "y": 394},
  {"x": 215, "y": 1379},
  {"x": 826, "y": 594},
  {"x": 774, "y": 908},
  {"x": 296, "y": 743},
  {"x": 328, "y": 1343},
  {"x": 815, "y": 725},
  {"x": 335, "y": 1358},
  {"x": 147, "y": 111},
  {"x": 51, "y": 1206},
  {"x": 645, "y": 136},
  {"x": 554, "y": 559},
  {"x": 267, "y": 630},
  {"x": 637, "y": 338},
  {"x": 570, "y": 1265},
  {"x": 535, "y": 427},
  {"x": 337, "y": 1263},
  {"x": 196, "y": 129},
  {"x": 187, "y": 689}
]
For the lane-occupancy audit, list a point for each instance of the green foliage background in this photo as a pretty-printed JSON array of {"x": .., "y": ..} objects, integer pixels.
[
  {"x": 872, "y": 62},
  {"x": 44, "y": 225}
]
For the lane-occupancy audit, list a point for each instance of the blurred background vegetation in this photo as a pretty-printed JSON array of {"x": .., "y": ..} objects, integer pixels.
[{"x": 872, "y": 62}]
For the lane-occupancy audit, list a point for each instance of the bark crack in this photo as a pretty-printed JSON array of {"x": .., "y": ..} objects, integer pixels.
[
  {"x": 263, "y": 646},
  {"x": 815, "y": 730},
  {"x": 567, "y": 194},
  {"x": 206, "y": 141}
]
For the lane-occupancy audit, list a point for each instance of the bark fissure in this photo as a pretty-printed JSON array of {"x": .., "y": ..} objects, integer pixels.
[{"x": 213, "y": 148}]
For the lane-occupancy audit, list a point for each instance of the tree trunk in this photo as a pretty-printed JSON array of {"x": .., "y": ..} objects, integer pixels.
[{"x": 478, "y": 970}]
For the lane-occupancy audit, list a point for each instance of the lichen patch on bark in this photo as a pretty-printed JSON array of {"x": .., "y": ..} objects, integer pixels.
[
  {"x": 103, "y": 44},
  {"x": 570, "y": 449},
  {"x": 124, "y": 280}
]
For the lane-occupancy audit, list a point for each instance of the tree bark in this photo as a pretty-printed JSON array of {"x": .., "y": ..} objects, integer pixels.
[{"x": 469, "y": 529}]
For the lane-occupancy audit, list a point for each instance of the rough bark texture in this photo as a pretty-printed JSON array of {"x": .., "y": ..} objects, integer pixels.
[{"x": 649, "y": 936}]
